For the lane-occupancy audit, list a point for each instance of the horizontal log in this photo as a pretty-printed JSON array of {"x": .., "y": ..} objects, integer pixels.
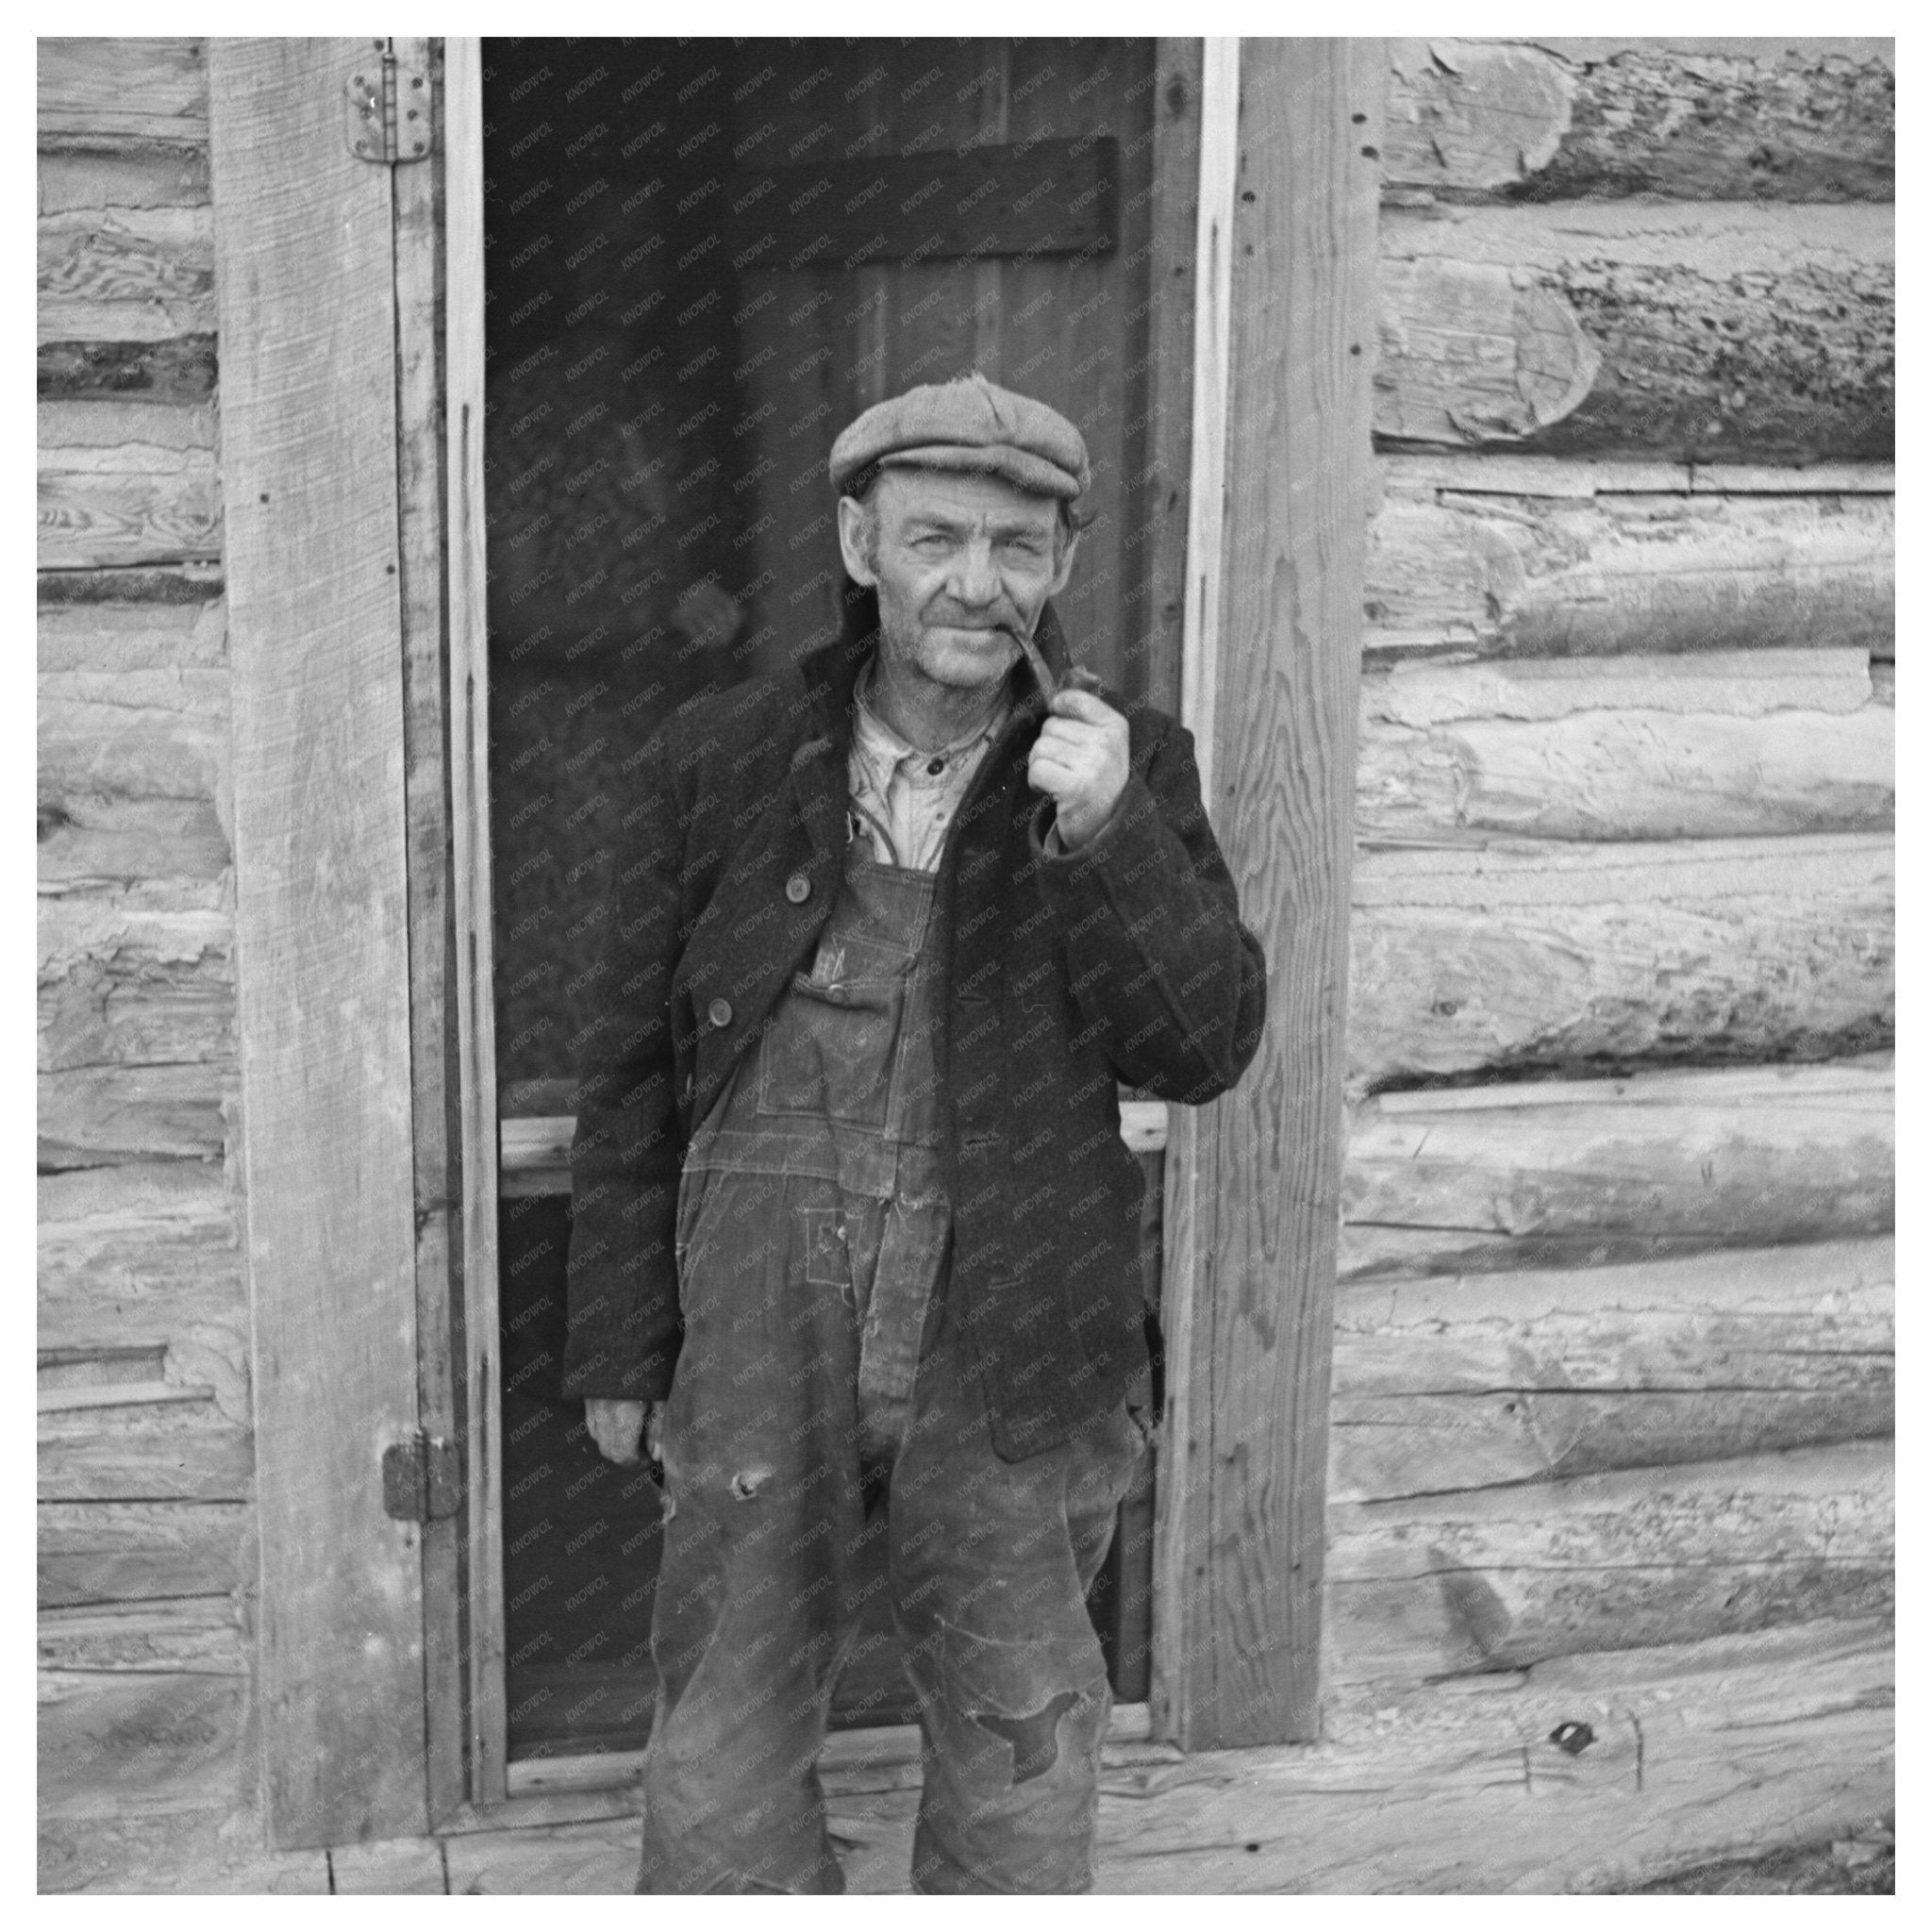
[
  {"x": 86, "y": 840},
  {"x": 1556, "y": 956},
  {"x": 148, "y": 1744},
  {"x": 138, "y": 503},
  {"x": 122, "y": 177},
  {"x": 1385, "y": 1447},
  {"x": 1475, "y": 120},
  {"x": 180, "y": 369},
  {"x": 124, "y": 984},
  {"x": 105, "y": 1553},
  {"x": 188, "y": 634},
  {"x": 126, "y": 274},
  {"x": 142, "y": 1254},
  {"x": 155, "y": 1451},
  {"x": 121, "y": 90},
  {"x": 134, "y": 984},
  {"x": 191, "y": 1633},
  {"x": 133, "y": 734},
  {"x": 1729, "y": 1746},
  {"x": 1815, "y": 1319},
  {"x": 172, "y": 1851},
  {"x": 1423, "y": 1587},
  {"x": 1506, "y": 575},
  {"x": 390, "y": 1867},
  {"x": 1588, "y": 1173},
  {"x": 1709, "y": 744},
  {"x": 1500, "y": 473},
  {"x": 95, "y": 1117},
  {"x": 1720, "y": 330}
]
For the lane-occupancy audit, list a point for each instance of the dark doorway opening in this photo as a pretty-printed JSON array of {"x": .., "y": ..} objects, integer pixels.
[{"x": 704, "y": 258}]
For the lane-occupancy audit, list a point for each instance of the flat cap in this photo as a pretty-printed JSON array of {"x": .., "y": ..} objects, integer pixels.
[{"x": 968, "y": 425}]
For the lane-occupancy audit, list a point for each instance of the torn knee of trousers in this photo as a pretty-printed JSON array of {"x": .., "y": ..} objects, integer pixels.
[
  {"x": 748, "y": 1482},
  {"x": 1033, "y": 1741}
]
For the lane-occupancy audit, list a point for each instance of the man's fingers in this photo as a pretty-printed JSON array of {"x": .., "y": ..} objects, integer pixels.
[{"x": 1072, "y": 702}]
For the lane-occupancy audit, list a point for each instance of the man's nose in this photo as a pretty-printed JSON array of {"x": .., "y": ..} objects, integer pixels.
[{"x": 976, "y": 581}]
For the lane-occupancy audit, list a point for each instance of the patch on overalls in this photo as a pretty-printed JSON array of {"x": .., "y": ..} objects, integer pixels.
[
  {"x": 1034, "y": 1740},
  {"x": 826, "y": 1263}
]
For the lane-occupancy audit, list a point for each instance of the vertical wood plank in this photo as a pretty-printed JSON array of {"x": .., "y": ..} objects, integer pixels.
[
  {"x": 433, "y": 1043},
  {"x": 469, "y": 658},
  {"x": 1254, "y": 1202},
  {"x": 1165, "y": 496},
  {"x": 304, "y": 267}
]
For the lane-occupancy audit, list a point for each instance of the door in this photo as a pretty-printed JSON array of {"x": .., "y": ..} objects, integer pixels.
[{"x": 703, "y": 259}]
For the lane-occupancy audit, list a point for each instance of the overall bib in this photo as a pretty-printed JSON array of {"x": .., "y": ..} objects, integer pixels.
[{"x": 820, "y": 1370}]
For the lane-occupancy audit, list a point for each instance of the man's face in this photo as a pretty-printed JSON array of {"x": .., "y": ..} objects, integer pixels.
[{"x": 963, "y": 564}]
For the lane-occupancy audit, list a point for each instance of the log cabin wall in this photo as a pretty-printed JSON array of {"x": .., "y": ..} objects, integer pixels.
[
  {"x": 1612, "y": 1360},
  {"x": 145, "y": 1460}
]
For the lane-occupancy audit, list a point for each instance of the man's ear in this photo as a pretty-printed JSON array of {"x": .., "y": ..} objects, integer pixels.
[
  {"x": 1065, "y": 569},
  {"x": 854, "y": 525}
]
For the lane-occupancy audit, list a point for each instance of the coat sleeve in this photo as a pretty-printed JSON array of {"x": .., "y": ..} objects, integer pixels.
[
  {"x": 1170, "y": 982},
  {"x": 626, "y": 1156}
]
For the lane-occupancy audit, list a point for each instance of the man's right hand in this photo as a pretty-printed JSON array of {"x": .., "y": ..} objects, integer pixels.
[{"x": 618, "y": 1427}]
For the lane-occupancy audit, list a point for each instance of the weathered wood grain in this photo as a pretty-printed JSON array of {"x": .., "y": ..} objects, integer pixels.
[
  {"x": 144, "y": 1253},
  {"x": 190, "y": 634},
  {"x": 1711, "y": 745},
  {"x": 309, "y": 462},
  {"x": 1496, "y": 1578},
  {"x": 433, "y": 959},
  {"x": 1560, "y": 957},
  {"x": 121, "y": 90},
  {"x": 203, "y": 1634},
  {"x": 130, "y": 984},
  {"x": 1506, "y": 575},
  {"x": 1385, "y": 1447},
  {"x": 138, "y": 1743},
  {"x": 86, "y": 840},
  {"x": 126, "y": 483},
  {"x": 1475, "y": 120},
  {"x": 144, "y": 177},
  {"x": 93, "y": 1117},
  {"x": 126, "y": 274},
  {"x": 105, "y": 1553},
  {"x": 555, "y": 1860},
  {"x": 1250, "y": 1208},
  {"x": 211, "y": 1852},
  {"x": 176, "y": 1452},
  {"x": 181, "y": 370},
  {"x": 1587, "y": 1173},
  {"x": 1728, "y": 1746},
  {"x": 1719, "y": 330},
  {"x": 389, "y": 1868},
  {"x": 1811, "y": 1319},
  {"x": 471, "y": 897},
  {"x": 133, "y": 734}
]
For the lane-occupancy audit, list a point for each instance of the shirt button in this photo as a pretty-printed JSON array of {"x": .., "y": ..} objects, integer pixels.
[
  {"x": 720, "y": 1013},
  {"x": 934, "y": 768},
  {"x": 798, "y": 889}
]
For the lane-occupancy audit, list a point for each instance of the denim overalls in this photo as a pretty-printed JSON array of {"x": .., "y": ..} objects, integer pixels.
[{"x": 820, "y": 1364}]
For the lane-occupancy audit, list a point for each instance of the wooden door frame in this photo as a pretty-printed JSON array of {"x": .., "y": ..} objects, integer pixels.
[{"x": 1270, "y": 580}]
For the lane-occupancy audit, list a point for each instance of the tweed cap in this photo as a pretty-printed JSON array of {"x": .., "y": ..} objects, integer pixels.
[{"x": 968, "y": 425}]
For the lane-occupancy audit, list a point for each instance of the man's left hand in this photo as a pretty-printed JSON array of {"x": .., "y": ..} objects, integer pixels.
[{"x": 1080, "y": 761}]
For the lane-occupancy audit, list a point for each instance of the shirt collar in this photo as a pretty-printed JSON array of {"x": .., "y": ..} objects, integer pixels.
[{"x": 877, "y": 738}]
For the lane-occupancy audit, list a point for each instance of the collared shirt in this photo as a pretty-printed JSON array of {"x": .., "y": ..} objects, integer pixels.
[{"x": 904, "y": 797}]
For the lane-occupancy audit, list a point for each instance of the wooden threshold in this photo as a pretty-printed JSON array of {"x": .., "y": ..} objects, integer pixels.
[{"x": 869, "y": 1748}]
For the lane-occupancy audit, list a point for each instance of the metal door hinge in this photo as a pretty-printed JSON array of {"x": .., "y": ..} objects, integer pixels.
[
  {"x": 421, "y": 1479},
  {"x": 389, "y": 111}
]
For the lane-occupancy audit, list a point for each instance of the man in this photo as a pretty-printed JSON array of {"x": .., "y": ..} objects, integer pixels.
[{"x": 854, "y": 1227}]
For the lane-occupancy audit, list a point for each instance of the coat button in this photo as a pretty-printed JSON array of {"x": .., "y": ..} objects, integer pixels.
[
  {"x": 798, "y": 889},
  {"x": 719, "y": 1012}
]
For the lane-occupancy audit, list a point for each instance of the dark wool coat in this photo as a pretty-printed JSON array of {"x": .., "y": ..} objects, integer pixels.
[{"x": 1062, "y": 976}]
